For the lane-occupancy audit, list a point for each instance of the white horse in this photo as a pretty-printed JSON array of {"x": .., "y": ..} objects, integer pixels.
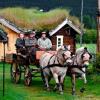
[
  {"x": 80, "y": 63},
  {"x": 56, "y": 65}
]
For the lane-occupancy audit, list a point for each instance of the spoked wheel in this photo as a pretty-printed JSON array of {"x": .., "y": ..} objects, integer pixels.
[
  {"x": 27, "y": 77},
  {"x": 15, "y": 72}
]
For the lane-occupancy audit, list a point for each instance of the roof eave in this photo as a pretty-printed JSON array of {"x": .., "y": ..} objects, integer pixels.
[
  {"x": 5, "y": 23},
  {"x": 63, "y": 24}
]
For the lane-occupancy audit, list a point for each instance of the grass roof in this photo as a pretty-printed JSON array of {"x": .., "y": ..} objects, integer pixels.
[{"x": 35, "y": 19}]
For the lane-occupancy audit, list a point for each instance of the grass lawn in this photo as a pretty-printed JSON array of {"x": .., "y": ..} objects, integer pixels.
[{"x": 36, "y": 91}]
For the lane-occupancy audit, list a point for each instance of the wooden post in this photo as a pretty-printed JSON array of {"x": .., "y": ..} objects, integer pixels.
[
  {"x": 98, "y": 27},
  {"x": 4, "y": 71},
  {"x": 81, "y": 36}
]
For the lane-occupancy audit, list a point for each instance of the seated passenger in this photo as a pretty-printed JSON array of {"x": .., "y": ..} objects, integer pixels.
[
  {"x": 20, "y": 43},
  {"x": 31, "y": 41},
  {"x": 30, "y": 44},
  {"x": 44, "y": 43}
]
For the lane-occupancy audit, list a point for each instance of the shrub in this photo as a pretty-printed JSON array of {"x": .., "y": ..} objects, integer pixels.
[
  {"x": 89, "y": 22},
  {"x": 89, "y": 36}
]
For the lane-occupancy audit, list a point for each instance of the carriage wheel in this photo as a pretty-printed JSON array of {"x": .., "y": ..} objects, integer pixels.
[
  {"x": 27, "y": 77},
  {"x": 15, "y": 73}
]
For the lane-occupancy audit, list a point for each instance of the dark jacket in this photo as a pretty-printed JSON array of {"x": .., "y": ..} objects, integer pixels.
[
  {"x": 30, "y": 42},
  {"x": 20, "y": 43}
]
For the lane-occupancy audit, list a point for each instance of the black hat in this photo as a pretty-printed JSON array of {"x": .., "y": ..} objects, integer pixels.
[{"x": 33, "y": 32}]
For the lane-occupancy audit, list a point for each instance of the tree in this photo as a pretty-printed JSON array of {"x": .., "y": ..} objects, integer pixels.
[{"x": 89, "y": 22}]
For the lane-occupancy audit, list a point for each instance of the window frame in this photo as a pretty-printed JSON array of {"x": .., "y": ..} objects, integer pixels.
[{"x": 61, "y": 41}]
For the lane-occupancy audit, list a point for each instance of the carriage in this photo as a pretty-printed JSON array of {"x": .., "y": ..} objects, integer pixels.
[{"x": 20, "y": 65}]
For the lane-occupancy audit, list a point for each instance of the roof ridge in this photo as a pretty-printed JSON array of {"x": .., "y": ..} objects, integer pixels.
[{"x": 66, "y": 21}]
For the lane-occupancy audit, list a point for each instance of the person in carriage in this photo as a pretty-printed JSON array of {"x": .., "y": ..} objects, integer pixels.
[
  {"x": 31, "y": 45},
  {"x": 20, "y": 43},
  {"x": 31, "y": 41},
  {"x": 44, "y": 43}
]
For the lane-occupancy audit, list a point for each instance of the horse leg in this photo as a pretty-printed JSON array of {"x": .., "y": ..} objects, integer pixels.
[
  {"x": 62, "y": 81},
  {"x": 84, "y": 76},
  {"x": 85, "y": 81},
  {"x": 73, "y": 84},
  {"x": 57, "y": 82},
  {"x": 61, "y": 87},
  {"x": 43, "y": 78},
  {"x": 46, "y": 81},
  {"x": 58, "y": 85}
]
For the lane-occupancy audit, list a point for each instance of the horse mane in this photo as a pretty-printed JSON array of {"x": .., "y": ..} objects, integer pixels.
[
  {"x": 79, "y": 53},
  {"x": 80, "y": 50},
  {"x": 59, "y": 54}
]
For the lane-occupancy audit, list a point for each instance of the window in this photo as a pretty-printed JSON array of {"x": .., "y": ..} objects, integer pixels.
[{"x": 59, "y": 41}]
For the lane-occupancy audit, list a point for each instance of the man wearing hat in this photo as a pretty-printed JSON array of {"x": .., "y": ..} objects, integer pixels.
[
  {"x": 31, "y": 41},
  {"x": 44, "y": 43},
  {"x": 30, "y": 44}
]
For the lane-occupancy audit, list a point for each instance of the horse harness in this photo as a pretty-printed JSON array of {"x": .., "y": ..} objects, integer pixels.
[
  {"x": 76, "y": 66},
  {"x": 53, "y": 65}
]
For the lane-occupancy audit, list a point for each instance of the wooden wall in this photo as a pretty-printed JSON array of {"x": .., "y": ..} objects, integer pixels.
[
  {"x": 10, "y": 47},
  {"x": 67, "y": 40}
]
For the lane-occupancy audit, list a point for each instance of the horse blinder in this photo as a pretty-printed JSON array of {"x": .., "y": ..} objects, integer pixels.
[
  {"x": 90, "y": 56},
  {"x": 85, "y": 66}
]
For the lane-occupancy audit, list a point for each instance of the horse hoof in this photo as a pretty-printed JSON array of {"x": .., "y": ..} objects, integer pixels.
[
  {"x": 82, "y": 90},
  {"x": 73, "y": 93},
  {"x": 55, "y": 89},
  {"x": 44, "y": 88},
  {"x": 61, "y": 93},
  {"x": 48, "y": 89}
]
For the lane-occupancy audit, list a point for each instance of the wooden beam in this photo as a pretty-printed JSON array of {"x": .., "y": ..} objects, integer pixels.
[{"x": 98, "y": 27}]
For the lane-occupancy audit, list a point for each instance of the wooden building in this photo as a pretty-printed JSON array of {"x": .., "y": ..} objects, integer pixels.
[
  {"x": 12, "y": 34},
  {"x": 64, "y": 34}
]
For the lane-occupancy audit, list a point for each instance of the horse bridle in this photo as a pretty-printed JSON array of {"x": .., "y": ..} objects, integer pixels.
[
  {"x": 63, "y": 54},
  {"x": 80, "y": 66}
]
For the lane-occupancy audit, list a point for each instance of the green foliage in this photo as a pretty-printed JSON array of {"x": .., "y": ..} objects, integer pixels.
[
  {"x": 89, "y": 36},
  {"x": 89, "y": 22}
]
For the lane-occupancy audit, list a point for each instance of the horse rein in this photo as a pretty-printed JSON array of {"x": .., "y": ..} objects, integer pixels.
[{"x": 53, "y": 65}]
